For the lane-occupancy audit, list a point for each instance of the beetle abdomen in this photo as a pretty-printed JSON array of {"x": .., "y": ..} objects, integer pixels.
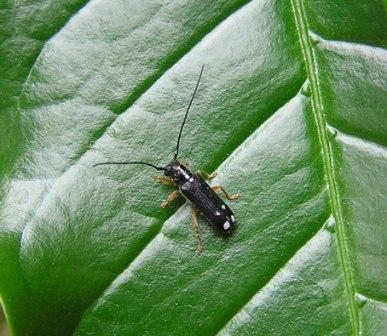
[{"x": 200, "y": 194}]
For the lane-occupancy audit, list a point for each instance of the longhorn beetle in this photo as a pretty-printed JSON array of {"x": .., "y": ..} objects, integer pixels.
[{"x": 194, "y": 188}]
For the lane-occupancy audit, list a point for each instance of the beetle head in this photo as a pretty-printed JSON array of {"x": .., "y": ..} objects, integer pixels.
[{"x": 177, "y": 172}]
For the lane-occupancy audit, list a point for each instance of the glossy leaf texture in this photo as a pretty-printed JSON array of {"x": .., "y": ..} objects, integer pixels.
[{"x": 291, "y": 113}]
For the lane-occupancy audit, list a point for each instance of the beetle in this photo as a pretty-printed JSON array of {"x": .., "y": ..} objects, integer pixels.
[{"x": 193, "y": 187}]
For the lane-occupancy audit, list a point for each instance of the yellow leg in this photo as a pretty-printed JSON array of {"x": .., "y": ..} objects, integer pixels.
[
  {"x": 205, "y": 175},
  {"x": 164, "y": 180},
  {"x": 228, "y": 196},
  {"x": 170, "y": 198},
  {"x": 195, "y": 224}
]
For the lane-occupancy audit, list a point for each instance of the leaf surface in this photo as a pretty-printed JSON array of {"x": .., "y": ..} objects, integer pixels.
[{"x": 290, "y": 113}]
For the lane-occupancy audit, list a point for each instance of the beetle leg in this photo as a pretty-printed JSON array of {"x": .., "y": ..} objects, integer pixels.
[
  {"x": 228, "y": 196},
  {"x": 195, "y": 224},
  {"x": 164, "y": 180},
  {"x": 205, "y": 175},
  {"x": 170, "y": 198}
]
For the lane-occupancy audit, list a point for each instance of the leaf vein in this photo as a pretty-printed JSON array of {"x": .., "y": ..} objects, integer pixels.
[
  {"x": 285, "y": 263},
  {"x": 327, "y": 158},
  {"x": 133, "y": 98},
  {"x": 158, "y": 231},
  {"x": 41, "y": 49}
]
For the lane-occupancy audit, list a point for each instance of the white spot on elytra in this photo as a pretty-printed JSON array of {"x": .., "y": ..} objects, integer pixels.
[
  {"x": 186, "y": 176},
  {"x": 191, "y": 179},
  {"x": 223, "y": 207},
  {"x": 226, "y": 225},
  {"x": 233, "y": 218},
  {"x": 217, "y": 213}
]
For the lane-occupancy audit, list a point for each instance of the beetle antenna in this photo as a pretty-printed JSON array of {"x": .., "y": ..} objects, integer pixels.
[
  {"x": 186, "y": 114},
  {"x": 129, "y": 162}
]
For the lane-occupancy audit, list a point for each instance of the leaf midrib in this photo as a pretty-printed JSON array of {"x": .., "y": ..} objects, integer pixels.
[{"x": 327, "y": 156}]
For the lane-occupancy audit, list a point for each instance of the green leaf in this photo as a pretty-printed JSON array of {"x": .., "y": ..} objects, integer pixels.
[{"x": 290, "y": 113}]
